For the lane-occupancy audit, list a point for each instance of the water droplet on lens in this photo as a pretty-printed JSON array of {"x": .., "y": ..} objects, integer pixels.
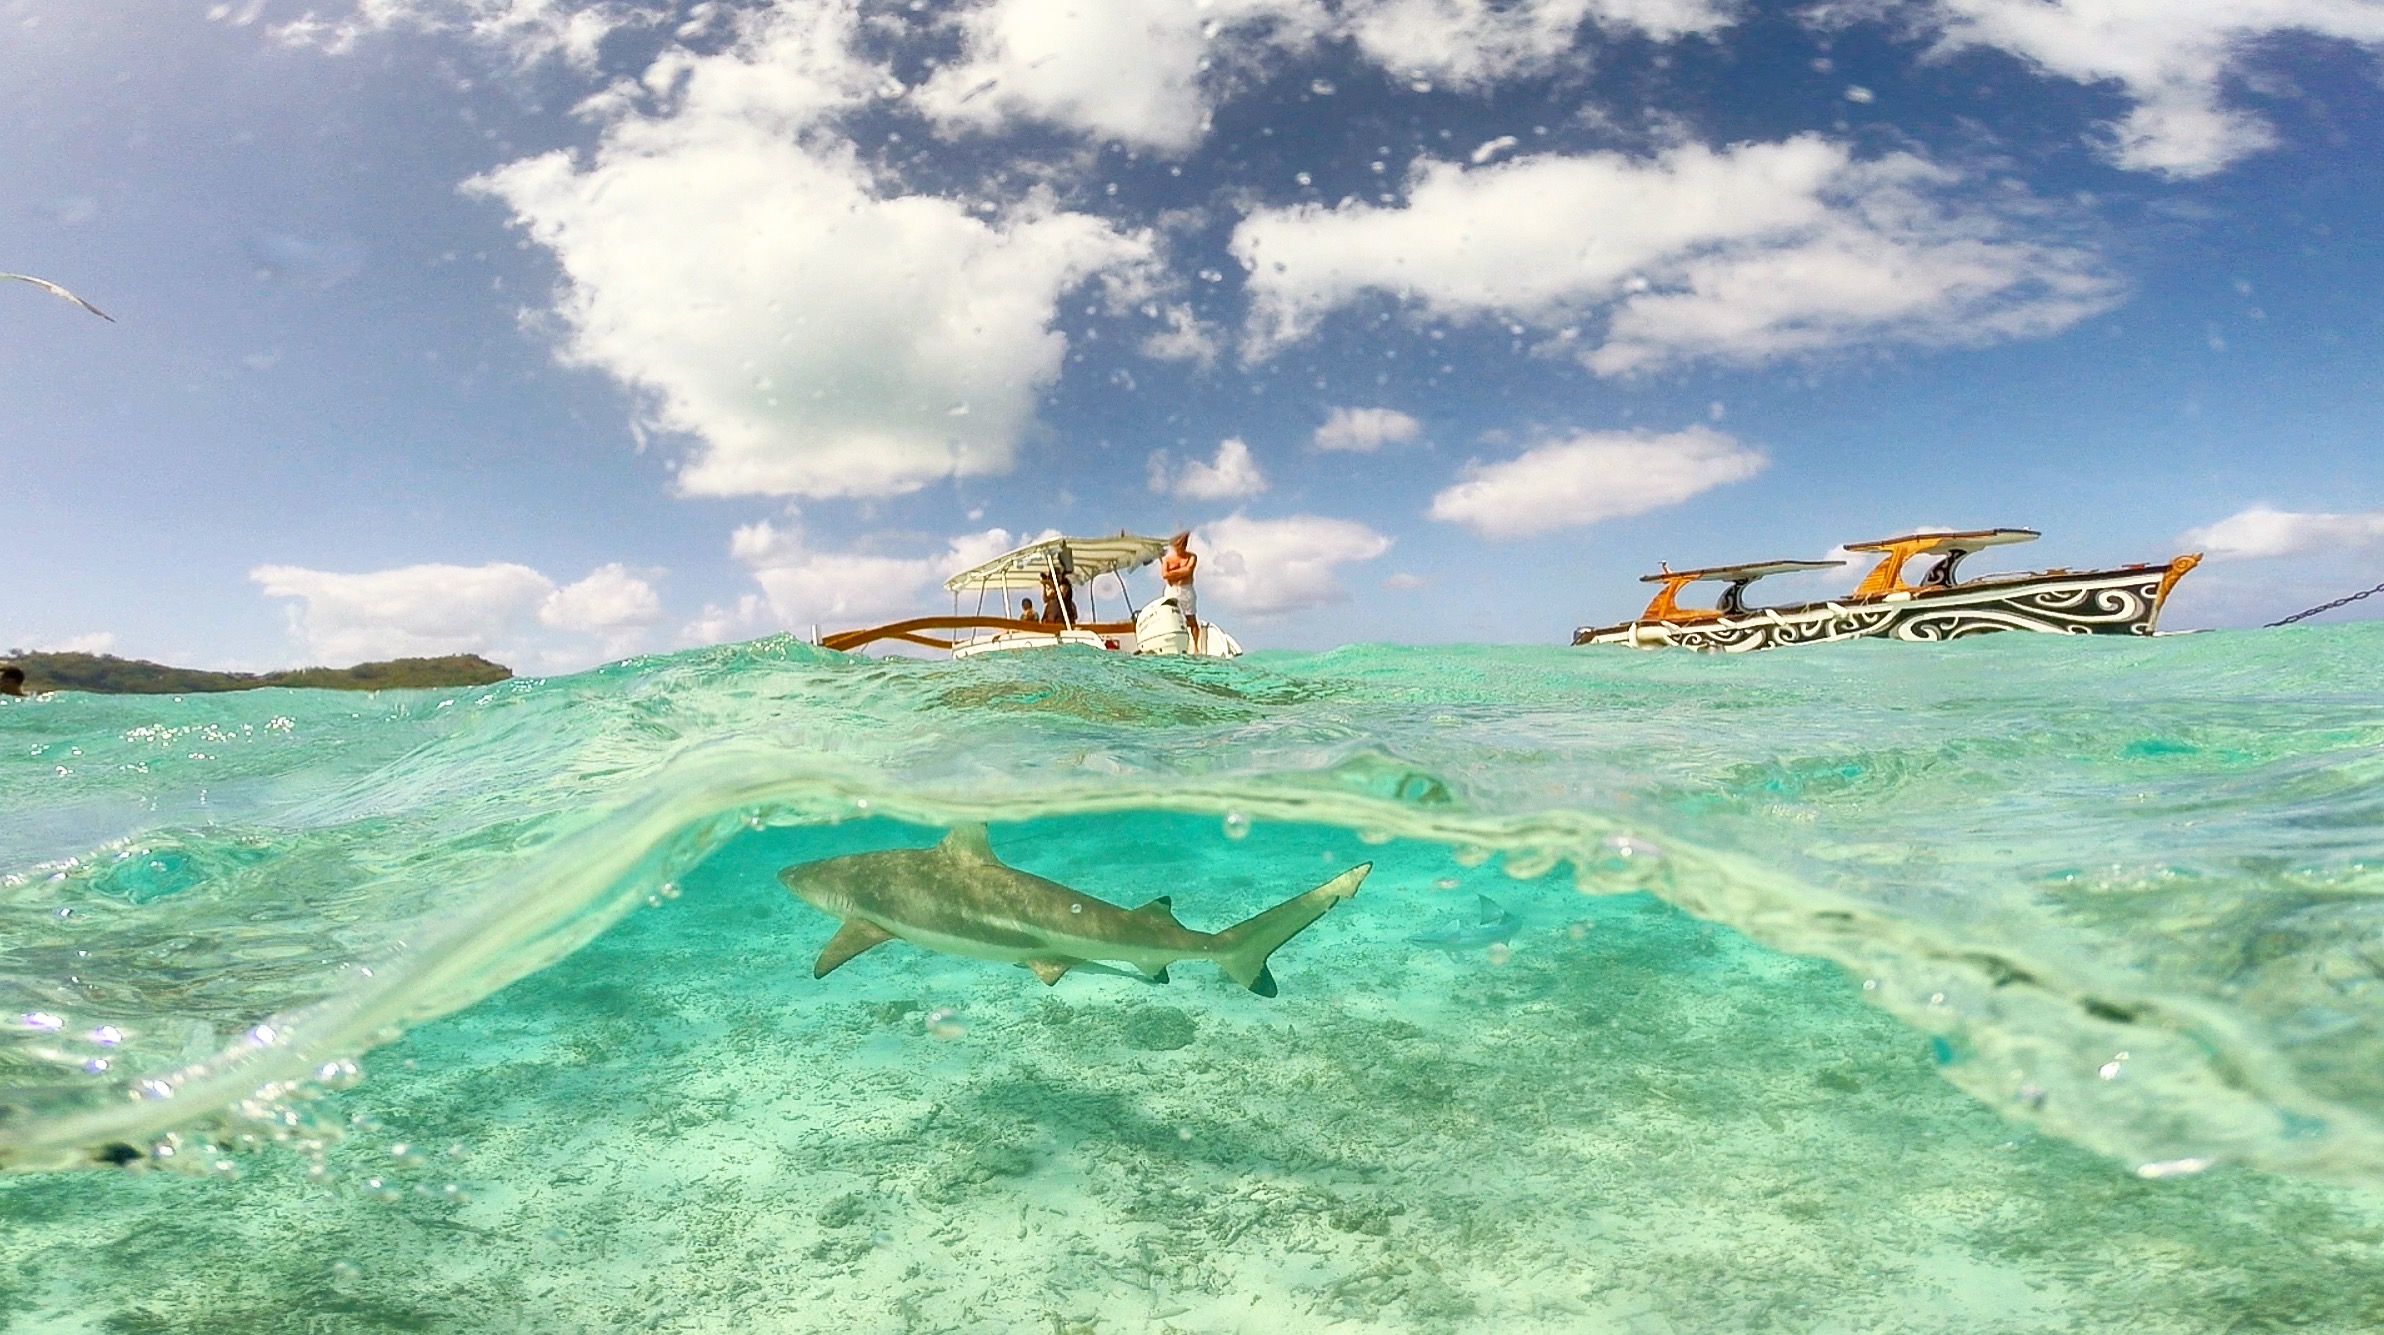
[
  {"x": 346, "y": 1272},
  {"x": 1445, "y": 883},
  {"x": 1500, "y": 952},
  {"x": 1237, "y": 825}
]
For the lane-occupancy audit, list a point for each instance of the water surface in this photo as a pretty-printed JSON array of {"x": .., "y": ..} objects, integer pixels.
[{"x": 1866, "y": 987}]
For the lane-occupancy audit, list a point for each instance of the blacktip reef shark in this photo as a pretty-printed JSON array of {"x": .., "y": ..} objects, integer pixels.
[{"x": 958, "y": 899}]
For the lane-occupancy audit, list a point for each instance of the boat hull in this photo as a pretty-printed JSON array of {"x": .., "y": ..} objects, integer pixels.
[{"x": 2125, "y": 601}]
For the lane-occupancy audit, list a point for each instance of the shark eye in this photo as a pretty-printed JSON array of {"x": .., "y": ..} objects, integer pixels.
[{"x": 1076, "y": 908}]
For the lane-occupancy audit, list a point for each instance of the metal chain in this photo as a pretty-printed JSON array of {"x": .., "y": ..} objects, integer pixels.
[{"x": 2344, "y": 601}]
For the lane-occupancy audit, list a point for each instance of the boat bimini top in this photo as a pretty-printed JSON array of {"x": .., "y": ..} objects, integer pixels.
[
  {"x": 1888, "y": 576},
  {"x": 1731, "y": 603},
  {"x": 1082, "y": 560}
]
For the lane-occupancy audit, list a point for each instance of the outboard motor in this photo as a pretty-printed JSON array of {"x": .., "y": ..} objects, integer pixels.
[{"x": 1159, "y": 629}]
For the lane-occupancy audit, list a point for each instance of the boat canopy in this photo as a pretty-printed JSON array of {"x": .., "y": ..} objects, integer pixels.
[
  {"x": 1083, "y": 559},
  {"x": 1737, "y": 574},
  {"x": 1666, "y": 606},
  {"x": 1936, "y": 544},
  {"x": 1888, "y": 576}
]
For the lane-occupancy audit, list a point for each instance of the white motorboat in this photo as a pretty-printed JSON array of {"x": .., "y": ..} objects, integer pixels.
[{"x": 982, "y": 620}]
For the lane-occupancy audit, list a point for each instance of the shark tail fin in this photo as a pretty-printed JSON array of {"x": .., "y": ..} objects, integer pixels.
[{"x": 1243, "y": 948}]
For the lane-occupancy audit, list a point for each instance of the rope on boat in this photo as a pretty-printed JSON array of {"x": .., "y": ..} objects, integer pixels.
[{"x": 2345, "y": 601}]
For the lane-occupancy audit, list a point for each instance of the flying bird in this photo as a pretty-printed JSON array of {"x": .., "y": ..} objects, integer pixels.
[{"x": 56, "y": 291}]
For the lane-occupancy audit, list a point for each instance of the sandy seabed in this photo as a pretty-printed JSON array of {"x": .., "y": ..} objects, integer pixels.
[{"x": 1637, "y": 1123}]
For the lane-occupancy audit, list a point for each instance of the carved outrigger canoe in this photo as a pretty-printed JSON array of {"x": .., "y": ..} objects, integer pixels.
[
  {"x": 2122, "y": 601},
  {"x": 1158, "y": 627}
]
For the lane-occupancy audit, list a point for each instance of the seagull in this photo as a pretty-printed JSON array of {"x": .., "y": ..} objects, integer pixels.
[{"x": 56, "y": 291}]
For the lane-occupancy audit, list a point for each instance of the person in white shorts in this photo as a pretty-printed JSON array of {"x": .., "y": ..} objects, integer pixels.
[{"x": 1175, "y": 570}]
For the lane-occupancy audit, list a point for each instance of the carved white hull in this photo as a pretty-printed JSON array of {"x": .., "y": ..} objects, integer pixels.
[{"x": 2092, "y": 602}]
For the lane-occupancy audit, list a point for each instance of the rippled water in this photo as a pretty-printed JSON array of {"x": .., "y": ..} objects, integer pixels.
[{"x": 1867, "y": 987}]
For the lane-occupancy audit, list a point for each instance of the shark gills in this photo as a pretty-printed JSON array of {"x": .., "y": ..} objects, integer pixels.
[{"x": 958, "y": 899}]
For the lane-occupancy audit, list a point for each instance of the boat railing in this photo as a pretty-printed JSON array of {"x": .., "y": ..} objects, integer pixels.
[{"x": 907, "y": 632}]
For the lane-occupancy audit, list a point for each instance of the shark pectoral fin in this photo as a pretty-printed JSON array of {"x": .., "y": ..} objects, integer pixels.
[
  {"x": 1051, "y": 971},
  {"x": 857, "y": 935},
  {"x": 1161, "y": 909},
  {"x": 968, "y": 841},
  {"x": 1158, "y": 975}
]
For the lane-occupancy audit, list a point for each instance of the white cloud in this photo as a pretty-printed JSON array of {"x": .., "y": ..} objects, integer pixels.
[
  {"x": 1403, "y": 582},
  {"x": 2263, "y": 530},
  {"x": 1233, "y": 475},
  {"x": 1185, "y": 339},
  {"x": 1592, "y": 477},
  {"x": 836, "y": 590},
  {"x": 2172, "y": 58},
  {"x": 502, "y": 610},
  {"x": 610, "y": 603},
  {"x": 1272, "y": 567},
  {"x": 527, "y": 30},
  {"x": 98, "y": 642},
  {"x": 1742, "y": 254},
  {"x": 1139, "y": 71},
  {"x": 816, "y": 333},
  {"x": 1150, "y": 72},
  {"x": 1365, "y": 430},
  {"x": 1471, "y": 44}
]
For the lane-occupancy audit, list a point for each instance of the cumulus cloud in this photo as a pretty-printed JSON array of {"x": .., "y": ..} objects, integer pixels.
[
  {"x": 815, "y": 331},
  {"x": 802, "y": 586},
  {"x": 1186, "y": 338},
  {"x": 97, "y": 642},
  {"x": 503, "y": 610},
  {"x": 1151, "y": 72},
  {"x": 1591, "y": 477},
  {"x": 2172, "y": 59},
  {"x": 1365, "y": 430},
  {"x": 1233, "y": 475},
  {"x": 1143, "y": 72},
  {"x": 609, "y": 601},
  {"x": 1743, "y": 254},
  {"x": 2262, "y": 531},
  {"x": 1273, "y": 567},
  {"x": 1472, "y": 44},
  {"x": 529, "y": 31}
]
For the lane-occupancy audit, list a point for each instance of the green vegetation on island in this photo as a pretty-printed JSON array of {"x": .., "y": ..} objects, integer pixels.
[{"x": 106, "y": 674}]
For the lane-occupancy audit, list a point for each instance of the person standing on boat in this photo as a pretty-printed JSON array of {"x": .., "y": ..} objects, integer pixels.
[
  {"x": 1063, "y": 567},
  {"x": 1175, "y": 570}
]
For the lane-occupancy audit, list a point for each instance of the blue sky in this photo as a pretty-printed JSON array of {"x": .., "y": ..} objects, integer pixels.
[{"x": 559, "y": 330}]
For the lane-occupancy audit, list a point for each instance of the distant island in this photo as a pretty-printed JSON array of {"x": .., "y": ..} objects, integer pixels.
[{"x": 105, "y": 674}]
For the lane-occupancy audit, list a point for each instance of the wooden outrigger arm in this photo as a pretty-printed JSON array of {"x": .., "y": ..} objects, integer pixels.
[{"x": 907, "y": 631}]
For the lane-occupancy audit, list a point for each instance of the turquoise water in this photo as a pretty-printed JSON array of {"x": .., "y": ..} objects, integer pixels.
[{"x": 2020, "y": 982}]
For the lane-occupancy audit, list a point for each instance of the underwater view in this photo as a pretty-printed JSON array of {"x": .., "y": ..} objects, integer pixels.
[{"x": 2024, "y": 983}]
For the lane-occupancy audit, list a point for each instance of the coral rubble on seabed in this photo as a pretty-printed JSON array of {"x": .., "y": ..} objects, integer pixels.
[{"x": 1637, "y": 1123}]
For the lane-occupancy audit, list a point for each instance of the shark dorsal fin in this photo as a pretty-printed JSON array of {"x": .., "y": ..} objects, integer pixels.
[
  {"x": 1161, "y": 909},
  {"x": 968, "y": 841},
  {"x": 1486, "y": 909}
]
